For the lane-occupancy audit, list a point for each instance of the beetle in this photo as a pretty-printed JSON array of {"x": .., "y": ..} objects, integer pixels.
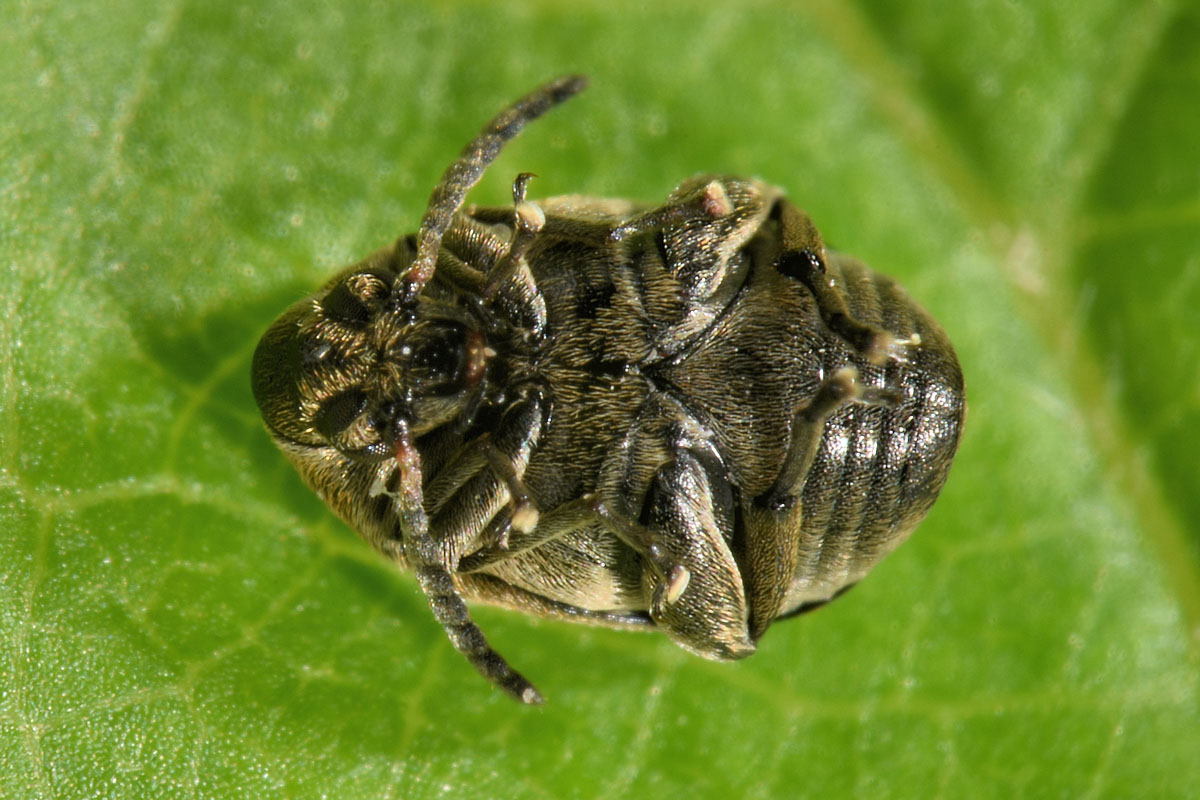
[{"x": 690, "y": 417}]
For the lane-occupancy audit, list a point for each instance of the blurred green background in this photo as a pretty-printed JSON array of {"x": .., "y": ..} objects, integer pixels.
[{"x": 179, "y": 617}]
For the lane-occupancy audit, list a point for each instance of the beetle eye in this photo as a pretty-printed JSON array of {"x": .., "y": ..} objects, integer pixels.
[
  {"x": 342, "y": 305},
  {"x": 336, "y": 413},
  {"x": 352, "y": 300}
]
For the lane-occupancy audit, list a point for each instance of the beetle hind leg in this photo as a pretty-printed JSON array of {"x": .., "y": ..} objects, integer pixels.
[
  {"x": 773, "y": 519},
  {"x": 875, "y": 344},
  {"x": 804, "y": 259},
  {"x": 808, "y": 425}
]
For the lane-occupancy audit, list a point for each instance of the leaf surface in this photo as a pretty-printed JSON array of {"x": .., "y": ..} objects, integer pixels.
[{"x": 181, "y": 618}]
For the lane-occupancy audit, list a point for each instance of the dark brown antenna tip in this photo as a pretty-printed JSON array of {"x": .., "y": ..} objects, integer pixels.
[{"x": 466, "y": 170}]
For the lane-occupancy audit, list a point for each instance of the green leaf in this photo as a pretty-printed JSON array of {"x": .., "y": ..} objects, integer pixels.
[{"x": 181, "y": 618}]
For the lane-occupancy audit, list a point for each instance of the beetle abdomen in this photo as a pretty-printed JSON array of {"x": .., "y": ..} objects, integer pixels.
[{"x": 878, "y": 469}]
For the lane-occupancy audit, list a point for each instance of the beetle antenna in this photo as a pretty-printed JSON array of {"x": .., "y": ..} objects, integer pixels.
[
  {"x": 450, "y": 610},
  {"x": 466, "y": 170},
  {"x": 425, "y": 559}
]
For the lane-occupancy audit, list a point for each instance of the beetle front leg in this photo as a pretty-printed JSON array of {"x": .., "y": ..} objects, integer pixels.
[
  {"x": 484, "y": 478},
  {"x": 528, "y": 221},
  {"x": 510, "y": 286}
]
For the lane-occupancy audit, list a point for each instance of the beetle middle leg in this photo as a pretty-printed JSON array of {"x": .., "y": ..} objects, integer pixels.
[
  {"x": 700, "y": 598},
  {"x": 693, "y": 585},
  {"x": 701, "y": 231},
  {"x": 666, "y": 494}
]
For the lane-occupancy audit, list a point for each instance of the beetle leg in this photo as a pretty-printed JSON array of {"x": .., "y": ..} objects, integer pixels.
[
  {"x": 499, "y": 592},
  {"x": 529, "y": 219},
  {"x": 772, "y": 555},
  {"x": 483, "y": 479},
  {"x": 694, "y": 585},
  {"x": 696, "y": 593},
  {"x": 808, "y": 425},
  {"x": 665, "y": 493},
  {"x": 556, "y": 523},
  {"x": 710, "y": 202},
  {"x": 478, "y": 262},
  {"x": 701, "y": 231},
  {"x": 804, "y": 259},
  {"x": 773, "y": 519},
  {"x": 508, "y": 288}
]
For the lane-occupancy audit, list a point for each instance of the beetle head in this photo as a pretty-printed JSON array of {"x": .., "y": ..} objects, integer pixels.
[{"x": 352, "y": 365}]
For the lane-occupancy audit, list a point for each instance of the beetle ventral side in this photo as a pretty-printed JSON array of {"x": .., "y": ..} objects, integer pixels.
[{"x": 689, "y": 417}]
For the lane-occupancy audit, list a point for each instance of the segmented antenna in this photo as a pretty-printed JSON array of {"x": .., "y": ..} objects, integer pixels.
[
  {"x": 450, "y": 610},
  {"x": 460, "y": 176},
  {"x": 425, "y": 558}
]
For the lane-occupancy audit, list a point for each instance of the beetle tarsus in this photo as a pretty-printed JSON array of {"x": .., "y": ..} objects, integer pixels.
[
  {"x": 808, "y": 426},
  {"x": 874, "y": 344},
  {"x": 528, "y": 221}
]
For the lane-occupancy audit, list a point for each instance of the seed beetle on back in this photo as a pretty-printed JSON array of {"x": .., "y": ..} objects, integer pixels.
[{"x": 690, "y": 417}]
